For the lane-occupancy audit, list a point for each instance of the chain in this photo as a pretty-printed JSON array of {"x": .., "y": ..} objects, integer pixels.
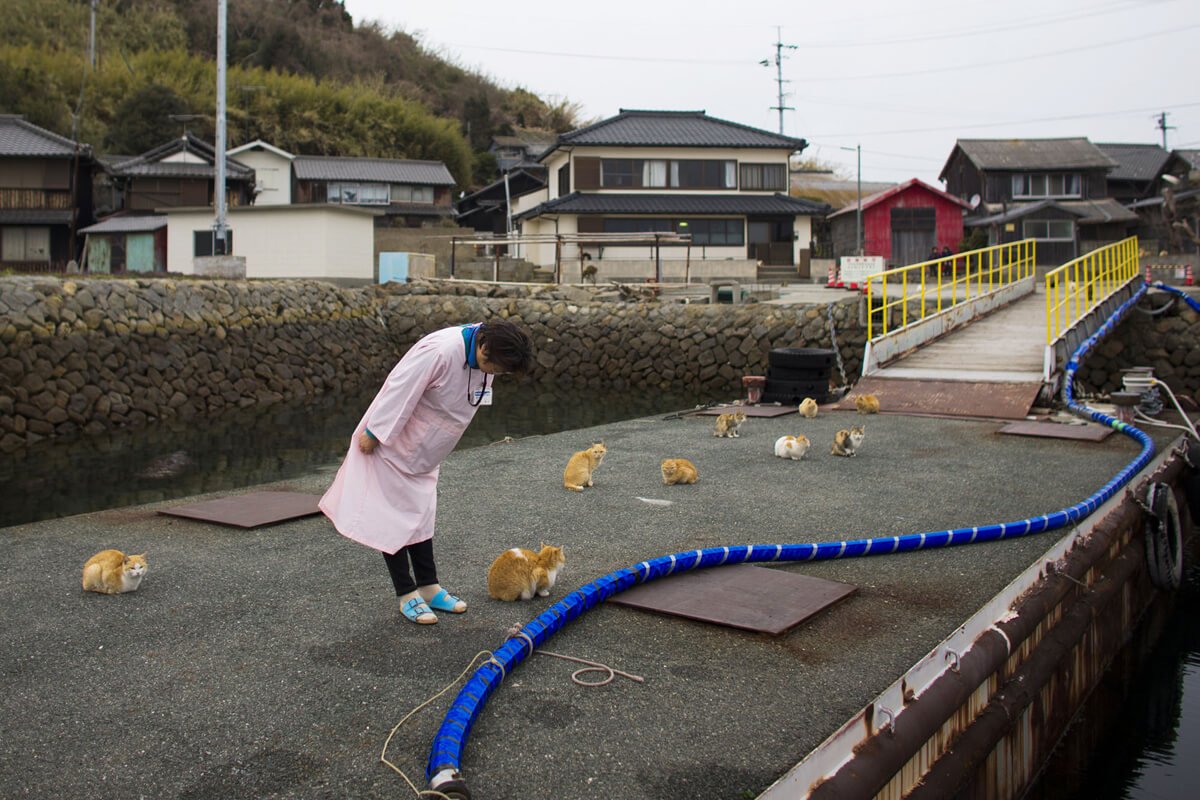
[{"x": 837, "y": 353}]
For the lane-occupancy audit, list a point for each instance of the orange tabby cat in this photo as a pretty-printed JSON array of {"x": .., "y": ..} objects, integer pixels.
[
  {"x": 519, "y": 574},
  {"x": 113, "y": 572},
  {"x": 808, "y": 407},
  {"x": 727, "y": 424},
  {"x": 581, "y": 465},
  {"x": 867, "y": 404},
  {"x": 678, "y": 470},
  {"x": 847, "y": 441}
]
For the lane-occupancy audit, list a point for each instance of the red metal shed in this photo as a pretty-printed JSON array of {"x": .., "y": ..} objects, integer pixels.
[{"x": 902, "y": 223}]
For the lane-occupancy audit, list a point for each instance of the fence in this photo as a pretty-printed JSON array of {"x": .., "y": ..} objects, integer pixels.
[{"x": 1078, "y": 286}]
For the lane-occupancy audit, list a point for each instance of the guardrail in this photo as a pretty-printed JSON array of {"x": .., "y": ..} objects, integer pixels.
[
  {"x": 1078, "y": 286},
  {"x": 935, "y": 285}
]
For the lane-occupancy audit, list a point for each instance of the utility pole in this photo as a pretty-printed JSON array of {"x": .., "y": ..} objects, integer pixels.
[
  {"x": 92, "y": 36},
  {"x": 858, "y": 230},
  {"x": 220, "y": 239},
  {"x": 1164, "y": 127},
  {"x": 779, "y": 48}
]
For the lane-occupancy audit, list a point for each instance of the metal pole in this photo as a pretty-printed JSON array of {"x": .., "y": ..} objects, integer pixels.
[
  {"x": 220, "y": 228},
  {"x": 92, "y": 36},
  {"x": 858, "y": 214}
]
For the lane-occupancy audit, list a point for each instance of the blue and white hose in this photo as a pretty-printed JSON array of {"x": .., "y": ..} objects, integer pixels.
[{"x": 445, "y": 757}]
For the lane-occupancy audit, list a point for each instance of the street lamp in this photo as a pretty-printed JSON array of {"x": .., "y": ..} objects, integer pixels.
[{"x": 858, "y": 239}]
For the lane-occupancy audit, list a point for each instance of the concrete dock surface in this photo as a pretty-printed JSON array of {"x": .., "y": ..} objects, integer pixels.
[{"x": 272, "y": 663}]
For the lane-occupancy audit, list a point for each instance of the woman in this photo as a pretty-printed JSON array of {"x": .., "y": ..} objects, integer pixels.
[{"x": 385, "y": 493}]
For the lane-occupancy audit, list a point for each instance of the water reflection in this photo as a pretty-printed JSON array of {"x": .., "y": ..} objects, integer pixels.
[{"x": 251, "y": 446}]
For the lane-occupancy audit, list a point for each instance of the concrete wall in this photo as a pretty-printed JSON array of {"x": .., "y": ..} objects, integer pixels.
[{"x": 92, "y": 354}]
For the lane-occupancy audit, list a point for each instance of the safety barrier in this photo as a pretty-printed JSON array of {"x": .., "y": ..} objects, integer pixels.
[
  {"x": 935, "y": 285},
  {"x": 1079, "y": 286}
]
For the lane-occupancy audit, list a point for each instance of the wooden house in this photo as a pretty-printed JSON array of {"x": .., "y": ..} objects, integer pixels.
[
  {"x": 410, "y": 193},
  {"x": 178, "y": 173},
  {"x": 45, "y": 195},
  {"x": 902, "y": 223}
]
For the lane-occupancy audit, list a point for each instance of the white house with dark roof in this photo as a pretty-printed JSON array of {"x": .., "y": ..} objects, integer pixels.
[
  {"x": 272, "y": 171},
  {"x": 410, "y": 193},
  {"x": 669, "y": 173}
]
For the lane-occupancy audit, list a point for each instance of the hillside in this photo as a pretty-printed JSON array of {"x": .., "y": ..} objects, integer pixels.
[{"x": 301, "y": 75}]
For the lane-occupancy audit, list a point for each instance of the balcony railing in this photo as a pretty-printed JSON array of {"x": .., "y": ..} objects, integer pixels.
[{"x": 58, "y": 200}]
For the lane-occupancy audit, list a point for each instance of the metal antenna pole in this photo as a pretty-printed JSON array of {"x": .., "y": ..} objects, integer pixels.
[
  {"x": 220, "y": 228},
  {"x": 779, "y": 47}
]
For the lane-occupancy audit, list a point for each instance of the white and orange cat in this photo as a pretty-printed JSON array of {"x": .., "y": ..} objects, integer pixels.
[
  {"x": 867, "y": 404},
  {"x": 582, "y": 465},
  {"x": 808, "y": 407},
  {"x": 678, "y": 470},
  {"x": 519, "y": 574},
  {"x": 113, "y": 572},
  {"x": 793, "y": 447},
  {"x": 847, "y": 441},
  {"x": 728, "y": 424}
]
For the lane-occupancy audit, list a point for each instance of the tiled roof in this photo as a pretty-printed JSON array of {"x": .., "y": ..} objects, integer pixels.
[
  {"x": 680, "y": 204},
  {"x": 127, "y": 224},
  {"x": 1033, "y": 154},
  {"x": 1135, "y": 162},
  {"x": 1191, "y": 156},
  {"x": 19, "y": 137},
  {"x": 374, "y": 170},
  {"x": 1090, "y": 212},
  {"x": 153, "y": 162},
  {"x": 879, "y": 197},
  {"x": 674, "y": 129}
]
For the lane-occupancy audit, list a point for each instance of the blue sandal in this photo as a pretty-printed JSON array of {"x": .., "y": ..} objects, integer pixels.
[
  {"x": 444, "y": 601},
  {"x": 416, "y": 608}
]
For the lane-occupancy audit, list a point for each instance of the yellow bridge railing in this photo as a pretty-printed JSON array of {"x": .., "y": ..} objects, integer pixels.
[
  {"x": 1078, "y": 286},
  {"x": 921, "y": 290}
]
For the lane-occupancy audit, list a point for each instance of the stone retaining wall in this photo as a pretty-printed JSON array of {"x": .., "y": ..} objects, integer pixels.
[
  {"x": 92, "y": 354},
  {"x": 1168, "y": 342}
]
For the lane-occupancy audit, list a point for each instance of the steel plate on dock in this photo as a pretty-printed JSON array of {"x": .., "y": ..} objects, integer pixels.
[
  {"x": 947, "y": 398},
  {"x": 741, "y": 596},
  {"x": 1058, "y": 430},
  {"x": 250, "y": 510}
]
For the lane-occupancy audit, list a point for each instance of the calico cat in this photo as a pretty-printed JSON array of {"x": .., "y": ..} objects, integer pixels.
[
  {"x": 727, "y": 424},
  {"x": 793, "y": 447},
  {"x": 867, "y": 404},
  {"x": 808, "y": 407},
  {"x": 113, "y": 572},
  {"x": 846, "y": 442},
  {"x": 519, "y": 574},
  {"x": 678, "y": 470},
  {"x": 582, "y": 465}
]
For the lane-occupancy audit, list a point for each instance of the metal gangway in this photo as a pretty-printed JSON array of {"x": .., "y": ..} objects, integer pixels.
[{"x": 978, "y": 334}]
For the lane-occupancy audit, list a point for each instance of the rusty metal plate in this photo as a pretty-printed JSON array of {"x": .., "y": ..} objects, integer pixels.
[
  {"x": 250, "y": 510},
  {"x": 1058, "y": 430},
  {"x": 946, "y": 398},
  {"x": 752, "y": 411},
  {"x": 741, "y": 596}
]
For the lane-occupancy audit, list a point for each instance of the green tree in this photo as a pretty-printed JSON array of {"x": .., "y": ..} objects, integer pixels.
[{"x": 143, "y": 120}]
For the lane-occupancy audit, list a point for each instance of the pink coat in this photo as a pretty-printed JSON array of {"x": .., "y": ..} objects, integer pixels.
[{"x": 388, "y": 499}]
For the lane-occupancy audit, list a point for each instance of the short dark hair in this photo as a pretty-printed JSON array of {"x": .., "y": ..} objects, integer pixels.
[{"x": 508, "y": 346}]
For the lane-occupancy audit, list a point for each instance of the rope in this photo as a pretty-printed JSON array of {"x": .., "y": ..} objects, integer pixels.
[
  {"x": 837, "y": 353},
  {"x": 592, "y": 666}
]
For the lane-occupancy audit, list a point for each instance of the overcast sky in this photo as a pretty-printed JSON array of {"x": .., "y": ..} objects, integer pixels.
[{"x": 902, "y": 79}]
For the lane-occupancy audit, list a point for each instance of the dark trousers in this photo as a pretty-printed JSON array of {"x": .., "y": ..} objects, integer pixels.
[{"x": 421, "y": 556}]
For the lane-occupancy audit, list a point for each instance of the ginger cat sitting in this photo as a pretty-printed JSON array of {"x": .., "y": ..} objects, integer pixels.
[
  {"x": 582, "y": 465},
  {"x": 867, "y": 404},
  {"x": 113, "y": 572},
  {"x": 678, "y": 470},
  {"x": 808, "y": 408},
  {"x": 519, "y": 574}
]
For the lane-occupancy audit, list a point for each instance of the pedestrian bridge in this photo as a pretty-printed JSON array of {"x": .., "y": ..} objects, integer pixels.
[{"x": 979, "y": 334}]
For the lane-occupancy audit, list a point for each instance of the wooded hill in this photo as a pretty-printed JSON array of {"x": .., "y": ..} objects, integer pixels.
[{"x": 301, "y": 75}]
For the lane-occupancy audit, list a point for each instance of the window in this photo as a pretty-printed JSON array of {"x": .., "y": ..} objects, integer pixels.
[
  {"x": 203, "y": 241},
  {"x": 363, "y": 194},
  {"x": 638, "y": 225},
  {"x": 1049, "y": 229},
  {"x": 564, "y": 180},
  {"x": 1046, "y": 184},
  {"x": 637, "y": 173},
  {"x": 403, "y": 193},
  {"x": 713, "y": 232},
  {"x": 25, "y": 244},
  {"x": 764, "y": 177}
]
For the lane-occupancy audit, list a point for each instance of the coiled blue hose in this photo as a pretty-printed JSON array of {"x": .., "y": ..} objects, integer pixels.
[
  {"x": 445, "y": 756},
  {"x": 1186, "y": 297}
]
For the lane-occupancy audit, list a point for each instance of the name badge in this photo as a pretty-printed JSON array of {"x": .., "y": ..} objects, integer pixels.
[{"x": 482, "y": 397}]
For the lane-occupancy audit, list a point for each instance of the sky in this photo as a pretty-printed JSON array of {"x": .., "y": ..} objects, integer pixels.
[{"x": 901, "y": 80}]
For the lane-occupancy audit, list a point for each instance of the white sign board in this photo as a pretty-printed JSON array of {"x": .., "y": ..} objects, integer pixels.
[{"x": 855, "y": 269}]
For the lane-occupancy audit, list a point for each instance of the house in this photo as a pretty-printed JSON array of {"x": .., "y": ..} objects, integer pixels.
[
  {"x": 272, "y": 171},
  {"x": 715, "y": 190},
  {"x": 409, "y": 193},
  {"x": 178, "y": 173},
  {"x": 45, "y": 194},
  {"x": 1145, "y": 175},
  {"x": 1138, "y": 172},
  {"x": 126, "y": 243},
  {"x": 486, "y": 210},
  {"x": 1054, "y": 191},
  {"x": 318, "y": 241},
  {"x": 521, "y": 149},
  {"x": 902, "y": 224}
]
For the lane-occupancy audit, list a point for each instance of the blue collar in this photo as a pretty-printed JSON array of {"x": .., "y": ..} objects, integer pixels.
[{"x": 468, "y": 333}]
